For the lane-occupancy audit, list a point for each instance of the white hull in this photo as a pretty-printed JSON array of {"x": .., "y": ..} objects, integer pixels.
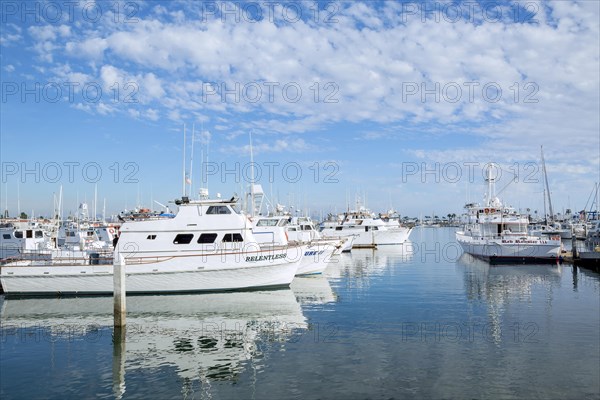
[
  {"x": 372, "y": 238},
  {"x": 510, "y": 249},
  {"x": 161, "y": 275},
  {"x": 316, "y": 257}
]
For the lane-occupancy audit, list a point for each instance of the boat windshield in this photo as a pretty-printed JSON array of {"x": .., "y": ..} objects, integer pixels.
[{"x": 267, "y": 222}]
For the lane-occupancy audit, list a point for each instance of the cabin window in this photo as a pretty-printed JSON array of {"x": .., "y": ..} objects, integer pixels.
[
  {"x": 39, "y": 234},
  {"x": 29, "y": 233},
  {"x": 6, "y": 236},
  {"x": 183, "y": 238},
  {"x": 19, "y": 234},
  {"x": 233, "y": 237},
  {"x": 291, "y": 229},
  {"x": 151, "y": 237},
  {"x": 90, "y": 233},
  {"x": 218, "y": 210},
  {"x": 207, "y": 238},
  {"x": 338, "y": 228},
  {"x": 235, "y": 208},
  {"x": 267, "y": 222},
  {"x": 282, "y": 222},
  {"x": 366, "y": 229}
]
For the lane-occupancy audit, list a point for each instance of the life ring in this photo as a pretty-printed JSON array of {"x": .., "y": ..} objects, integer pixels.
[
  {"x": 487, "y": 211},
  {"x": 111, "y": 231},
  {"x": 492, "y": 211}
]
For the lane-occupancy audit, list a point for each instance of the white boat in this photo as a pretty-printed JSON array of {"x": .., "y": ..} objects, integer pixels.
[
  {"x": 498, "y": 234},
  {"x": 280, "y": 230},
  {"x": 207, "y": 246},
  {"x": 369, "y": 231}
]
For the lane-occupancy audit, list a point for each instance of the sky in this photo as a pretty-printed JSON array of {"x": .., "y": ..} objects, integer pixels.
[{"x": 392, "y": 104}]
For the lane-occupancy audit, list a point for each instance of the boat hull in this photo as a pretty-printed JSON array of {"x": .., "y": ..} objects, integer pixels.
[
  {"x": 372, "y": 238},
  {"x": 171, "y": 275},
  {"x": 316, "y": 257},
  {"x": 510, "y": 250}
]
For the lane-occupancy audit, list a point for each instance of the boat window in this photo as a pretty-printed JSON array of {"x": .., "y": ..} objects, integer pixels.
[
  {"x": 90, "y": 233},
  {"x": 267, "y": 222},
  {"x": 6, "y": 236},
  {"x": 233, "y": 237},
  {"x": 183, "y": 238},
  {"x": 218, "y": 210},
  {"x": 235, "y": 208},
  {"x": 19, "y": 234},
  {"x": 207, "y": 238},
  {"x": 338, "y": 228},
  {"x": 151, "y": 237},
  {"x": 282, "y": 222},
  {"x": 291, "y": 229},
  {"x": 39, "y": 234},
  {"x": 29, "y": 233}
]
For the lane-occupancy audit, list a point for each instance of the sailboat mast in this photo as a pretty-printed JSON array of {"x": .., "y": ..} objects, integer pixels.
[{"x": 547, "y": 187}]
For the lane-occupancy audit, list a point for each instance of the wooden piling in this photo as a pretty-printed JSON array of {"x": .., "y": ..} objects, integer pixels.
[{"x": 119, "y": 291}]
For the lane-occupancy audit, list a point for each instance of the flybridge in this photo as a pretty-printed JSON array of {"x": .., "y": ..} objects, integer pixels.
[{"x": 186, "y": 200}]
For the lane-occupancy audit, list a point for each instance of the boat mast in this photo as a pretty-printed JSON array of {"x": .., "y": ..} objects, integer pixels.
[{"x": 547, "y": 187}]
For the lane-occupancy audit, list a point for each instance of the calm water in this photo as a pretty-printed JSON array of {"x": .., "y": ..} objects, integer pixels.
[{"x": 416, "y": 321}]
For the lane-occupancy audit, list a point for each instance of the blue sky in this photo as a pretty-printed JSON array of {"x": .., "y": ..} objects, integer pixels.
[{"x": 401, "y": 103}]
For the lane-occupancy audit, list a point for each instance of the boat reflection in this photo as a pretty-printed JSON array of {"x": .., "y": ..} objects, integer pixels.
[
  {"x": 313, "y": 290},
  {"x": 361, "y": 263},
  {"x": 500, "y": 286},
  {"x": 204, "y": 336}
]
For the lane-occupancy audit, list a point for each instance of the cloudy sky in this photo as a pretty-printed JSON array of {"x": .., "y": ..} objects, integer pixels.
[{"x": 395, "y": 103}]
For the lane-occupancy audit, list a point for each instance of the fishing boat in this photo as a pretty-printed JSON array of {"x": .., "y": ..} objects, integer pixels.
[
  {"x": 498, "y": 234},
  {"x": 207, "y": 246},
  {"x": 369, "y": 230}
]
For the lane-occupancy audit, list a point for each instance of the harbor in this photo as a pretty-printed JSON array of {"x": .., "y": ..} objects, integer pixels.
[
  {"x": 428, "y": 324},
  {"x": 300, "y": 200}
]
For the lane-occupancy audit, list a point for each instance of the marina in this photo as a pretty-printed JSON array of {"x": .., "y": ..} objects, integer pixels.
[
  {"x": 300, "y": 200},
  {"x": 428, "y": 325}
]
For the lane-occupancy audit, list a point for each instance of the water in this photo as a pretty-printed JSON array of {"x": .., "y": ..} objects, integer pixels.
[{"x": 414, "y": 321}]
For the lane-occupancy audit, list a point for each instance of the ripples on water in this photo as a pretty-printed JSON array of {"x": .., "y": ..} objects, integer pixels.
[{"x": 413, "y": 321}]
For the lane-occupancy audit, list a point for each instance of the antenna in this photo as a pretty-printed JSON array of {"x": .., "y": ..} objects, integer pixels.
[
  {"x": 192, "y": 159},
  {"x": 183, "y": 168},
  {"x": 96, "y": 201},
  {"x": 18, "y": 199},
  {"x": 252, "y": 177}
]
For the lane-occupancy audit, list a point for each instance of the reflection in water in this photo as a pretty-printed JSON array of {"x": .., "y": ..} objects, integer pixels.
[
  {"x": 498, "y": 286},
  {"x": 204, "y": 336},
  {"x": 313, "y": 289},
  {"x": 362, "y": 263}
]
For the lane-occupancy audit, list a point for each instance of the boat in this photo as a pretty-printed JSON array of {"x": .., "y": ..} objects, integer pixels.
[
  {"x": 587, "y": 253},
  {"x": 282, "y": 230},
  {"x": 369, "y": 230},
  {"x": 207, "y": 246},
  {"x": 498, "y": 234}
]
